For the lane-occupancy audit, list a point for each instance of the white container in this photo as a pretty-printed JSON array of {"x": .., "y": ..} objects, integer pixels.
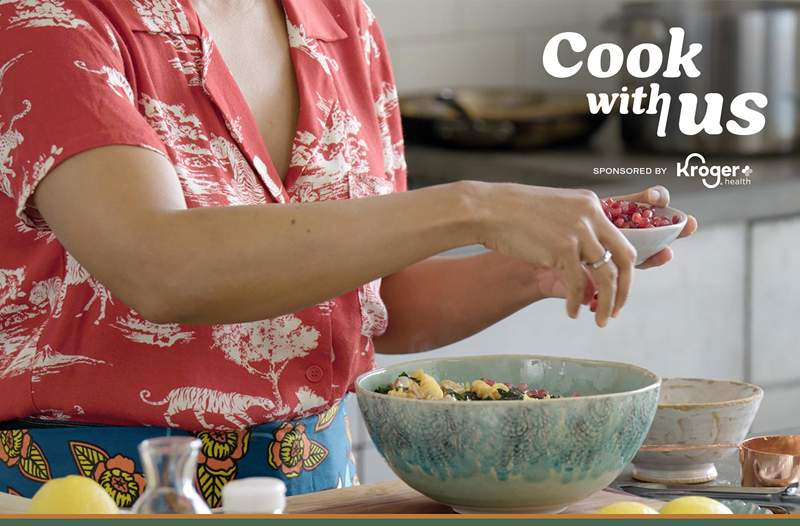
[
  {"x": 254, "y": 495},
  {"x": 650, "y": 241}
]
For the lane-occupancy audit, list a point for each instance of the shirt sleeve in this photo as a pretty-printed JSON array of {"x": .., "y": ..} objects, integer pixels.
[
  {"x": 384, "y": 91},
  {"x": 63, "y": 91}
]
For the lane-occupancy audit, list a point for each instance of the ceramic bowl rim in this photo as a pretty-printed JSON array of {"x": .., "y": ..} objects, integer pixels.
[
  {"x": 664, "y": 229},
  {"x": 655, "y": 384},
  {"x": 744, "y": 447},
  {"x": 757, "y": 395}
]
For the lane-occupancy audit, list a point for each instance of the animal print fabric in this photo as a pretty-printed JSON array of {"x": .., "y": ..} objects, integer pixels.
[
  {"x": 310, "y": 454},
  {"x": 81, "y": 74}
]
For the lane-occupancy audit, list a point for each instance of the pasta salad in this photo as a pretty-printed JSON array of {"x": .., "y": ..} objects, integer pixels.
[{"x": 421, "y": 386}]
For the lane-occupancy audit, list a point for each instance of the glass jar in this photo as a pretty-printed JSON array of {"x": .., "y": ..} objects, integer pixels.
[{"x": 169, "y": 468}]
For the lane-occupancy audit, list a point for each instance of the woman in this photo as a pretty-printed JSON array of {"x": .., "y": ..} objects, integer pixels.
[{"x": 200, "y": 201}]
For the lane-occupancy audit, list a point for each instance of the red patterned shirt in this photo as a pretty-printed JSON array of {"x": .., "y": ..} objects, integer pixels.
[{"x": 80, "y": 74}]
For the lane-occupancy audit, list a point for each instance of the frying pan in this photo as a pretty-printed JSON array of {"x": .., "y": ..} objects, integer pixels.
[{"x": 496, "y": 119}]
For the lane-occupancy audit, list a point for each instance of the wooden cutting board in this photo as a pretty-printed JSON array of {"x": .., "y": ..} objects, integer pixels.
[
  {"x": 397, "y": 498},
  {"x": 383, "y": 498}
]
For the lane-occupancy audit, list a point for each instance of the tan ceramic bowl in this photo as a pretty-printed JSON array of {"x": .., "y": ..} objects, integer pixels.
[{"x": 698, "y": 423}]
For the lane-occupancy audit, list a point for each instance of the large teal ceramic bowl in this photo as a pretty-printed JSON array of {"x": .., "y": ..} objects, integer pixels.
[{"x": 513, "y": 456}]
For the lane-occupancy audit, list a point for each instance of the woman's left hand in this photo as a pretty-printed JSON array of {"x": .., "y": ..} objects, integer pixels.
[{"x": 658, "y": 196}]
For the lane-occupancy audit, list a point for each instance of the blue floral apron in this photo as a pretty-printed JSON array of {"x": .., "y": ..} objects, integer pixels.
[{"x": 310, "y": 454}]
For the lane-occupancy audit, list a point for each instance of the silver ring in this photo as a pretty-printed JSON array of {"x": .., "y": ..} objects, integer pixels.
[{"x": 602, "y": 261}]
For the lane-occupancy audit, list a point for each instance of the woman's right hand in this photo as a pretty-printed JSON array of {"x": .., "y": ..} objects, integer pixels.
[{"x": 565, "y": 231}]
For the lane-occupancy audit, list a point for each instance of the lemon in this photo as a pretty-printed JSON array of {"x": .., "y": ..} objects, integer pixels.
[
  {"x": 627, "y": 508},
  {"x": 72, "y": 495},
  {"x": 695, "y": 506}
]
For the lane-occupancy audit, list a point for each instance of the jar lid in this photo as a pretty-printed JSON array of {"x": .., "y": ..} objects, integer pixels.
[{"x": 254, "y": 495}]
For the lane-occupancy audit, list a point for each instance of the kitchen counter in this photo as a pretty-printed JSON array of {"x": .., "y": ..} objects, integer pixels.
[{"x": 397, "y": 498}]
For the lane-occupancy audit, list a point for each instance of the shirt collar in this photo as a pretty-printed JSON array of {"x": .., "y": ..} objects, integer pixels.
[
  {"x": 321, "y": 19},
  {"x": 176, "y": 17}
]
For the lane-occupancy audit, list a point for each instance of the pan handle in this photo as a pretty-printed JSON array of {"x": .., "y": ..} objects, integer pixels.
[{"x": 448, "y": 97}]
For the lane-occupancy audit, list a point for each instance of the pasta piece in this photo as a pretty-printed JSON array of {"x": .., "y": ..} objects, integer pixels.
[
  {"x": 400, "y": 394},
  {"x": 496, "y": 388},
  {"x": 430, "y": 387},
  {"x": 482, "y": 389},
  {"x": 453, "y": 386}
]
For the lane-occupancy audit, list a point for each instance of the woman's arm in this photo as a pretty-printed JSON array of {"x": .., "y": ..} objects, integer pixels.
[
  {"x": 446, "y": 299},
  {"x": 120, "y": 211}
]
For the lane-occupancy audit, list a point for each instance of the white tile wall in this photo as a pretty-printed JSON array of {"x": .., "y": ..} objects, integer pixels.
[
  {"x": 776, "y": 302},
  {"x": 436, "y": 43},
  {"x": 482, "y": 60},
  {"x": 504, "y": 15},
  {"x": 778, "y": 410},
  {"x": 403, "y": 19}
]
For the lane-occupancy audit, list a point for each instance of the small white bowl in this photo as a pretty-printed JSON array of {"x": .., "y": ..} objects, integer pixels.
[
  {"x": 698, "y": 423},
  {"x": 650, "y": 241}
]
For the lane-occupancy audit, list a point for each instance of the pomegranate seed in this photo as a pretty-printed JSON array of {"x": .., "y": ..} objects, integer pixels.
[
  {"x": 627, "y": 214},
  {"x": 537, "y": 393}
]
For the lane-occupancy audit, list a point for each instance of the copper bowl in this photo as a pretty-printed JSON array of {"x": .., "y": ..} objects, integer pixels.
[{"x": 770, "y": 461}]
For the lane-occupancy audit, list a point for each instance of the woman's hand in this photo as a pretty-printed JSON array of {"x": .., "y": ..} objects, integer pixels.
[
  {"x": 566, "y": 231},
  {"x": 550, "y": 282},
  {"x": 658, "y": 196}
]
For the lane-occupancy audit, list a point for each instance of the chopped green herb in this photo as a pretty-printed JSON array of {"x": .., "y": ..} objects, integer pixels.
[
  {"x": 457, "y": 396},
  {"x": 384, "y": 389},
  {"x": 512, "y": 394}
]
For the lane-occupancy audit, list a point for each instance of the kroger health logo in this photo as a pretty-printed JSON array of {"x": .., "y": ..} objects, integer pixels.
[{"x": 714, "y": 175}]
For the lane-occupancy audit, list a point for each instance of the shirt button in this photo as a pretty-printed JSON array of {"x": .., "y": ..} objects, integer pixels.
[{"x": 314, "y": 373}]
